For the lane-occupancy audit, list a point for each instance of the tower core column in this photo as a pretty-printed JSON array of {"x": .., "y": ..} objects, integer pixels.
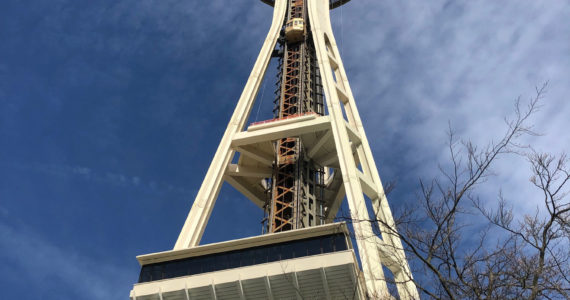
[{"x": 296, "y": 197}]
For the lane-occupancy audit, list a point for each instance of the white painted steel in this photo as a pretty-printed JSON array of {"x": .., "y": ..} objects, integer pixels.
[
  {"x": 341, "y": 130},
  {"x": 281, "y": 131},
  {"x": 369, "y": 258},
  {"x": 254, "y": 241}
]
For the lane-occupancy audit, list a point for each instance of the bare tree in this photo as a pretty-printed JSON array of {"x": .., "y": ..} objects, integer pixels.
[
  {"x": 530, "y": 258},
  {"x": 539, "y": 252}
]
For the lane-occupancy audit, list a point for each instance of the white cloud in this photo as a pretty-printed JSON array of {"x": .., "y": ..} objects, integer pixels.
[
  {"x": 88, "y": 174},
  {"x": 42, "y": 261},
  {"x": 414, "y": 66}
]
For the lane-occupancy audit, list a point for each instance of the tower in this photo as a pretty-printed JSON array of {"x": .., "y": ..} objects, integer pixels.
[{"x": 297, "y": 167}]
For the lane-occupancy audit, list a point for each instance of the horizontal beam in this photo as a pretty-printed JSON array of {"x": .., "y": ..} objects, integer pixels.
[
  {"x": 330, "y": 159},
  {"x": 342, "y": 96},
  {"x": 332, "y": 61},
  {"x": 281, "y": 131},
  {"x": 388, "y": 255},
  {"x": 241, "y": 171},
  {"x": 322, "y": 140},
  {"x": 261, "y": 157},
  {"x": 368, "y": 186},
  {"x": 282, "y": 121},
  {"x": 335, "y": 205},
  {"x": 353, "y": 134},
  {"x": 250, "y": 192}
]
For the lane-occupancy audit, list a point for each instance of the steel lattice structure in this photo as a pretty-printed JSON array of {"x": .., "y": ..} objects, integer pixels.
[{"x": 297, "y": 184}]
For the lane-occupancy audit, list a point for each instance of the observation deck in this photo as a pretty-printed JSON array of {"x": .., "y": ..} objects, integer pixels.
[
  {"x": 312, "y": 263},
  {"x": 332, "y": 3}
]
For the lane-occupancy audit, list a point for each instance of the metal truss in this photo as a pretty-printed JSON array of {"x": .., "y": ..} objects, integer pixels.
[{"x": 295, "y": 199}]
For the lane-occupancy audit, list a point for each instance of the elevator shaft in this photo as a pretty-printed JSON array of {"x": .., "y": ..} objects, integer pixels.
[{"x": 296, "y": 197}]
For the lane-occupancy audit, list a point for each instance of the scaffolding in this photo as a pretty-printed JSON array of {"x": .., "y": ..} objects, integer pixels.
[{"x": 296, "y": 197}]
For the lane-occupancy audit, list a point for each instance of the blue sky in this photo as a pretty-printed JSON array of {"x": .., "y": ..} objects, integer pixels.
[{"x": 110, "y": 112}]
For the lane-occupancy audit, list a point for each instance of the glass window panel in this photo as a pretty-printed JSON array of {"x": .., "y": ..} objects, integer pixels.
[
  {"x": 208, "y": 264},
  {"x": 260, "y": 255},
  {"x": 174, "y": 269},
  {"x": 340, "y": 242},
  {"x": 145, "y": 274},
  {"x": 234, "y": 260},
  {"x": 194, "y": 266},
  {"x": 327, "y": 244},
  {"x": 156, "y": 272},
  {"x": 314, "y": 246},
  {"x": 247, "y": 258},
  {"x": 274, "y": 253},
  {"x": 286, "y": 251},
  {"x": 221, "y": 261},
  {"x": 299, "y": 249},
  {"x": 185, "y": 267}
]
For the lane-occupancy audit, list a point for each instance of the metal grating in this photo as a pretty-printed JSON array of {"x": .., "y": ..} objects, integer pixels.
[
  {"x": 311, "y": 284},
  {"x": 335, "y": 282},
  {"x": 283, "y": 286},
  {"x": 176, "y": 295},
  {"x": 255, "y": 288},
  {"x": 227, "y": 291},
  {"x": 201, "y": 293},
  {"x": 149, "y": 297}
]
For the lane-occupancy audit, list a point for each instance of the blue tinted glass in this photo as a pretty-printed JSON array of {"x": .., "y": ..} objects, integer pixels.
[
  {"x": 234, "y": 260},
  {"x": 260, "y": 255},
  {"x": 287, "y": 251},
  {"x": 194, "y": 266},
  {"x": 313, "y": 246},
  {"x": 244, "y": 257},
  {"x": 299, "y": 248},
  {"x": 208, "y": 264},
  {"x": 174, "y": 269},
  {"x": 274, "y": 253},
  {"x": 145, "y": 274},
  {"x": 247, "y": 257},
  {"x": 327, "y": 244},
  {"x": 156, "y": 272},
  {"x": 221, "y": 261},
  {"x": 340, "y": 243}
]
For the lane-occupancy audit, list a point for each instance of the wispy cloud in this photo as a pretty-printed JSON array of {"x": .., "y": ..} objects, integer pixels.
[
  {"x": 88, "y": 174},
  {"x": 44, "y": 263},
  {"x": 430, "y": 63}
]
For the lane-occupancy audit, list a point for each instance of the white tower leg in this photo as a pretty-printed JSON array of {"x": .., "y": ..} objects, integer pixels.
[
  {"x": 338, "y": 92},
  {"x": 206, "y": 198}
]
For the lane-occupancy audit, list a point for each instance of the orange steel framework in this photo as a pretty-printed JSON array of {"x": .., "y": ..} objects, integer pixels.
[{"x": 297, "y": 185}]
